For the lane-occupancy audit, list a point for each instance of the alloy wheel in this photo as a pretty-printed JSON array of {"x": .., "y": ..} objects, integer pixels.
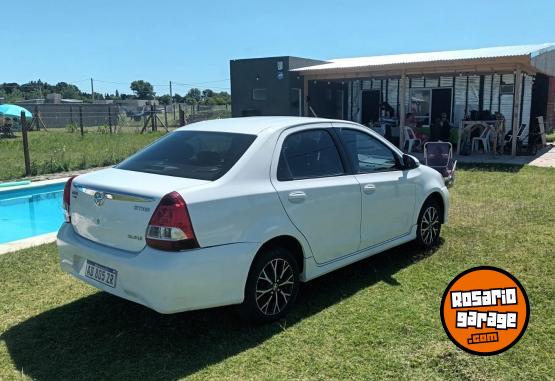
[
  {"x": 274, "y": 286},
  {"x": 429, "y": 225}
]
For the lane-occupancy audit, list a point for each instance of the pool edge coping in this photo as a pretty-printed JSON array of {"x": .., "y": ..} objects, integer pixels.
[
  {"x": 34, "y": 184},
  {"x": 26, "y": 243}
]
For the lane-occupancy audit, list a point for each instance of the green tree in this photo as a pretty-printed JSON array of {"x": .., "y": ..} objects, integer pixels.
[
  {"x": 10, "y": 87},
  {"x": 14, "y": 96},
  {"x": 207, "y": 93},
  {"x": 193, "y": 96},
  {"x": 33, "y": 94},
  {"x": 67, "y": 91},
  {"x": 143, "y": 89},
  {"x": 178, "y": 98},
  {"x": 165, "y": 99},
  {"x": 222, "y": 98}
]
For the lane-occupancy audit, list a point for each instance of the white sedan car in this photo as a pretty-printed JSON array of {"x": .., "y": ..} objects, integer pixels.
[{"x": 239, "y": 211}]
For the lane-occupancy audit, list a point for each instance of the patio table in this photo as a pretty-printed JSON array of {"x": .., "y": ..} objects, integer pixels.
[{"x": 466, "y": 125}]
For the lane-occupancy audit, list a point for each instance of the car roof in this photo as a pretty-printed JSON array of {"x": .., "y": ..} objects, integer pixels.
[{"x": 253, "y": 125}]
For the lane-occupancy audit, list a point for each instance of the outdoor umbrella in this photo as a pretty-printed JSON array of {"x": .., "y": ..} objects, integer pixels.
[{"x": 14, "y": 111}]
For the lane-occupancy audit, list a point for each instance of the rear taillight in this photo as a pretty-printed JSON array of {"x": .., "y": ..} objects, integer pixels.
[
  {"x": 67, "y": 199},
  {"x": 170, "y": 227}
]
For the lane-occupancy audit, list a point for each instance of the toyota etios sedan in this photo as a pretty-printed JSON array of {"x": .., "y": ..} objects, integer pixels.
[{"x": 239, "y": 211}]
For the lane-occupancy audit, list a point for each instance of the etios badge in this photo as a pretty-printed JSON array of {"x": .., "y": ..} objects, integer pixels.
[{"x": 99, "y": 198}]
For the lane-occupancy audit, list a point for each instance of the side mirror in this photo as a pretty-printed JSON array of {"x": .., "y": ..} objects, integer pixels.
[{"x": 410, "y": 162}]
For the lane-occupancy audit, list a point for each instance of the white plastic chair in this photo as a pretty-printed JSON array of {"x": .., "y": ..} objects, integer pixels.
[
  {"x": 410, "y": 139},
  {"x": 484, "y": 138}
]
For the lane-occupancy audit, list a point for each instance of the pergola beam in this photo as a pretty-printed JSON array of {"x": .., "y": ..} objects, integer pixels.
[{"x": 480, "y": 66}]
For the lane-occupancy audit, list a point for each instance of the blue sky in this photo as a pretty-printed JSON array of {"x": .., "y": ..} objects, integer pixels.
[{"x": 192, "y": 42}]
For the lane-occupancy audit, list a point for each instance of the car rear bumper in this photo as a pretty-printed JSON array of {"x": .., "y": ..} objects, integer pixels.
[{"x": 166, "y": 282}]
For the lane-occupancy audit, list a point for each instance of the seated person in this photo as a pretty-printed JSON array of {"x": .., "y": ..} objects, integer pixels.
[
  {"x": 435, "y": 130},
  {"x": 387, "y": 110},
  {"x": 445, "y": 128},
  {"x": 410, "y": 121}
]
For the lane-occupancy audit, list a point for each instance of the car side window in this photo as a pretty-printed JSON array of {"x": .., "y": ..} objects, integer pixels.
[
  {"x": 308, "y": 154},
  {"x": 367, "y": 153}
]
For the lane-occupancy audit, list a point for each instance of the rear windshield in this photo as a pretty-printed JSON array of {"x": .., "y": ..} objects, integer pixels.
[{"x": 199, "y": 155}]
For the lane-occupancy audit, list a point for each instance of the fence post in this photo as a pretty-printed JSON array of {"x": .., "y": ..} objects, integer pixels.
[
  {"x": 25, "y": 144},
  {"x": 165, "y": 116},
  {"x": 110, "y": 118},
  {"x": 81, "y": 120},
  {"x": 70, "y": 114},
  {"x": 181, "y": 117},
  {"x": 153, "y": 117}
]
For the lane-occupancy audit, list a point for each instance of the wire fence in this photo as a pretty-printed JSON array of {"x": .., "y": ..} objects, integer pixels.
[
  {"x": 117, "y": 118},
  {"x": 48, "y": 141}
]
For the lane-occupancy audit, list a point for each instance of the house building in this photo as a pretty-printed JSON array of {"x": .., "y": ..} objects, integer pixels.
[
  {"x": 268, "y": 86},
  {"x": 516, "y": 81}
]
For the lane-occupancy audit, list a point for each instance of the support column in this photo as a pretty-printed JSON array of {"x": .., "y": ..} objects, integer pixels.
[
  {"x": 516, "y": 109},
  {"x": 402, "y": 98},
  {"x": 305, "y": 95}
]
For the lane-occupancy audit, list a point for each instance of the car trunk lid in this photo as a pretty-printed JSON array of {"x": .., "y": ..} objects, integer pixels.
[{"x": 113, "y": 207}]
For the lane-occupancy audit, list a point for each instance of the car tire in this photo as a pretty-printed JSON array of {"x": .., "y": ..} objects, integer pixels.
[
  {"x": 429, "y": 225},
  {"x": 272, "y": 286}
]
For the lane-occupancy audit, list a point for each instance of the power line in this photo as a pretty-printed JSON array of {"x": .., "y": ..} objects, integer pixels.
[
  {"x": 166, "y": 84},
  {"x": 202, "y": 83}
]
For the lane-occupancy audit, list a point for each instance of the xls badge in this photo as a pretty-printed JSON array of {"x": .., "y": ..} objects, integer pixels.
[{"x": 485, "y": 310}]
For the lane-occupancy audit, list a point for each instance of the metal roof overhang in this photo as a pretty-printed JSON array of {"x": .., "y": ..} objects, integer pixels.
[{"x": 504, "y": 64}]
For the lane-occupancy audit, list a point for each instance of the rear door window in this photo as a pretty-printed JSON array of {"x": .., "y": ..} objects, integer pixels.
[
  {"x": 203, "y": 155},
  {"x": 309, "y": 154}
]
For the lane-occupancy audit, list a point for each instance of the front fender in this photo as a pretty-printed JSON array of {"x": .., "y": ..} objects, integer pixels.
[{"x": 431, "y": 182}]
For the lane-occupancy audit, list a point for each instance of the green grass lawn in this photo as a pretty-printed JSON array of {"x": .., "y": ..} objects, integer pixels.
[
  {"x": 375, "y": 319},
  {"x": 59, "y": 151}
]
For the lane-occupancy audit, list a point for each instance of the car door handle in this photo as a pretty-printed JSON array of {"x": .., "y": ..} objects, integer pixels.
[
  {"x": 297, "y": 196},
  {"x": 369, "y": 188}
]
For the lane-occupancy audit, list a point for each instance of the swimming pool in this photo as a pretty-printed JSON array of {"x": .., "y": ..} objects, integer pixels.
[{"x": 30, "y": 211}]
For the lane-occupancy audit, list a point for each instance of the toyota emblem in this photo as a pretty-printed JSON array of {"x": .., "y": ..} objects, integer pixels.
[{"x": 99, "y": 198}]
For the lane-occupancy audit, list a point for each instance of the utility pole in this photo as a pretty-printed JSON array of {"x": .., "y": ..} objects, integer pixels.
[{"x": 92, "y": 90}]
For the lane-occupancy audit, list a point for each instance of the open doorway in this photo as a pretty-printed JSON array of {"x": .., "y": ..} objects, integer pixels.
[
  {"x": 370, "y": 106},
  {"x": 441, "y": 103}
]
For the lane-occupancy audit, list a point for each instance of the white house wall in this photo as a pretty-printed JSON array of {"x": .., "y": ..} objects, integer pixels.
[
  {"x": 460, "y": 99},
  {"x": 356, "y": 101},
  {"x": 473, "y": 101},
  {"x": 527, "y": 102},
  {"x": 506, "y": 105},
  {"x": 349, "y": 101},
  {"x": 446, "y": 81},
  {"x": 393, "y": 93}
]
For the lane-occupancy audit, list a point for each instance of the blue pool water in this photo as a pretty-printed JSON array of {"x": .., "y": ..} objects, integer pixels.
[{"x": 29, "y": 212}]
